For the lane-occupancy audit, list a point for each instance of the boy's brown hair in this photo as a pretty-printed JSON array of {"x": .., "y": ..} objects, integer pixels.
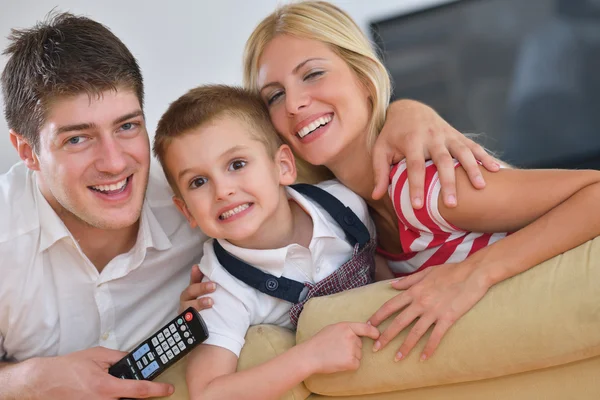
[
  {"x": 62, "y": 56},
  {"x": 205, "y": 104}
]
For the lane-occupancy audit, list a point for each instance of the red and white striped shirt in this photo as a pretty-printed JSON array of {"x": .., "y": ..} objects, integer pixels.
[{"x": 427, "y": 239}]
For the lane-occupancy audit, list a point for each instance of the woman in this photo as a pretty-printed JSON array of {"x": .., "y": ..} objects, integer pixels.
[{"x": 327, "y": 94}]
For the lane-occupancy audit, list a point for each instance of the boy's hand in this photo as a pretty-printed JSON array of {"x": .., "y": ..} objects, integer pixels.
[
  {"x": 338, "y": 347},
  {"x": 193, "y": 295}
]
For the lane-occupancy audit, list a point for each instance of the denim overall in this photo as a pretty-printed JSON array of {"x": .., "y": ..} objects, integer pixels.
[{"x": 358, "y": 271}]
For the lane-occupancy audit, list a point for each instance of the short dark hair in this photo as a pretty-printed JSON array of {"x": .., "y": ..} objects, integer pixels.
[
  {"x": 205, "y": 104},
  {"x": 60, "y": 56}
]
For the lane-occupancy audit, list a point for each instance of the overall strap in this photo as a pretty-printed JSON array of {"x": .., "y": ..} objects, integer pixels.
[
  {"x": 355, "y": 230},
  {"x": 282, "y": 288}
]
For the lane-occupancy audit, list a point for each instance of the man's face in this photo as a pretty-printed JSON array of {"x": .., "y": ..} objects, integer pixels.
[{"x": 94, "y": 159}]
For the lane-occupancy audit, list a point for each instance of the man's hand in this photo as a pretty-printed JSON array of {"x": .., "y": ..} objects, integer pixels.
[
  {"x": 192, "y": 295},
  {"x": 416, "y": 132},
  {"x": 80, "y": 375}
]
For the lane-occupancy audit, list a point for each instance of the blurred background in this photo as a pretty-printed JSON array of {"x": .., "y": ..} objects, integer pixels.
[{"x": 522, "y": 74}]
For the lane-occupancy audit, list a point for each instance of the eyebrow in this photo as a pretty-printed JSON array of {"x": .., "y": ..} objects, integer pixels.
[
  {"x": 223, "y": 155},
  {"x": 294, "y": 71},
  {"x": 84, "y": 126}
]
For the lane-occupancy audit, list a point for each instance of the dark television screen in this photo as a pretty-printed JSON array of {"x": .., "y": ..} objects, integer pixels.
[{"x": 523, "y": 74}]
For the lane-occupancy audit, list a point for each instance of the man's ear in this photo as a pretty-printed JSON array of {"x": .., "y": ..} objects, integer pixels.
[
  {"x": 25, "y": 150},
  {"x": 180, "y": 204},
  {"x": 284, "y": 158}
]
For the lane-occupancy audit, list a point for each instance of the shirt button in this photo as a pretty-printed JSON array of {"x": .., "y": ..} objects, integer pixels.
[
  {"x": 105, "y": 336},
  {"x": 318, "y": 269}
]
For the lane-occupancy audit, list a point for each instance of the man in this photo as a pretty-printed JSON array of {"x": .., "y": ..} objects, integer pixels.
[
  {"x": 93, "y": 251},
  {"x": 89, "y": 256}
]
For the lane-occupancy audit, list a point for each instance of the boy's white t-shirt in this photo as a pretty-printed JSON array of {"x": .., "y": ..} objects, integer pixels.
[{"x": 237, "y": 306}]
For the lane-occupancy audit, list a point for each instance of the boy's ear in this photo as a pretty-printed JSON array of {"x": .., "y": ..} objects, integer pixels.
[
  {"x": 180, "y": 204},
  {"x": 25, "y": 151},
  {"x": 287, "y": 165}
]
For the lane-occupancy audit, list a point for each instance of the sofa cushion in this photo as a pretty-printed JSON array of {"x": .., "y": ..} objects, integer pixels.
[{"x": 547, "y": 316}]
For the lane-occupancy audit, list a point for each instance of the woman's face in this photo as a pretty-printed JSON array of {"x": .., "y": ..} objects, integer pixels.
[{"x": 316, "y": 101}]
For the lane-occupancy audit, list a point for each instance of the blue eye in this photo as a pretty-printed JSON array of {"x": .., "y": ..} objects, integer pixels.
[
  {"x": 237, "y": 164},
  {"x": 197, "y": 182},
  {"x": 128, "y": 126},
  {"x": 75, "y": 140}
]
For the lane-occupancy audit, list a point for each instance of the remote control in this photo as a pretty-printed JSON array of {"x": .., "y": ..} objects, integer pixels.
[{"x": 163, "y": 349}]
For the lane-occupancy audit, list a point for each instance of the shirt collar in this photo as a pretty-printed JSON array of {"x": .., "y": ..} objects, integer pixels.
[{"x": 273, "y": 260}]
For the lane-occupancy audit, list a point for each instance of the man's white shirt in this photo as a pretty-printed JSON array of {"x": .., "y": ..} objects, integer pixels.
[
  {"x": 237, "y": 306},
  {"x": 53, "y": 300}
]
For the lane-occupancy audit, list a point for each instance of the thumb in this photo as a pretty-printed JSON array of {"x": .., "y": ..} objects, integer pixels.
[
  {"x": 109, "y": 356},
  {"x": 382, "y": 160},
  {"x": 365, "y": 330}
]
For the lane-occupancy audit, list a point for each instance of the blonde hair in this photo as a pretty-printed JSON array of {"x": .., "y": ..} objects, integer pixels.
[{"x": 322, "y": 21}]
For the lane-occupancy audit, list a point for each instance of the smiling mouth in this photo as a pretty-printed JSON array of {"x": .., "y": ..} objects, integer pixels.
[
  {"x": 313, "y": 126},
  {"x": 115, "y": 188},
  {"x": 236, "y": 210}
]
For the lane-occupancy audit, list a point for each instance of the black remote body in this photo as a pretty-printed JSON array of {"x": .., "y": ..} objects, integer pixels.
[{"x": 163, "y": 349}]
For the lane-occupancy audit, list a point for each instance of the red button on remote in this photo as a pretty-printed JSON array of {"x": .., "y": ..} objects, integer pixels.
[{"x": 188, "y": 316}]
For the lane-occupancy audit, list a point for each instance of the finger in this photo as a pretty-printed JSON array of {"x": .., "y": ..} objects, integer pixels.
[
  {"x": 199, "y": 304},
  {"x": 415, "y": 171},
  {"x": 415, "y": 334},
  {"x": 196, "y": 275},
  {"x": 405, "y": 318},
  {"x": 196, "y": 290},
  {"x": 488, "y": 161},
  {"x": 441, "y": 327},
  {"x": 467, "y": 160},
  {"x": 382, "y": 160},
  {"x": 446, "y": 173},
  {"x": 109, "y": 356},
  {"x": 407, "y": 282},
  {"x": 130, "y": 388},
  {"x": 390, "y": 307},
  {"x": 364, "y": 330}
]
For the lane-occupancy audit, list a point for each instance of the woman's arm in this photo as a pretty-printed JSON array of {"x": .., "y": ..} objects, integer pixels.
[
  {"x": 211, "y": 370},
  {"x": 551, "y": 211},
  {"x": 416, "y": 132}
]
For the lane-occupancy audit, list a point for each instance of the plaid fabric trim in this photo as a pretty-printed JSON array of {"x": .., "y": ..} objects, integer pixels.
[{"x": 356, "y": 272}]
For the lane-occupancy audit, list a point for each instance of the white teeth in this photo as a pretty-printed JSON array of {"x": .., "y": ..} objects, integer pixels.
[
  {"x": 314, "y": 125},
  {"x": 111, "y": 188},
  {"x": 236, "y": 210}
]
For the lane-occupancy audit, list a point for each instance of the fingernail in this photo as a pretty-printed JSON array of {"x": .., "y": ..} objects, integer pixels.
[
  {"x": 417, "y": 202},
  {"x": 423, "y": 357},
  {"x": 479, "y": 180},
  {"x": 212, "y": 286},
  {"x": 171, "y": 389},
  {"x": 376, "y": 346},
  {"x": 207, "y": 302},
  {"x": 398, "y": 356},
  {"x": 452, "y": 200},
  {"x": 496, "y": 166},
  {"x": 368, "y": 322}
]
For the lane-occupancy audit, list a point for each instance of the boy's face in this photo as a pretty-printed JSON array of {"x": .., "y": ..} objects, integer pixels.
[
  {"x": 93, "y": 159},
  {"x": 231, "y": 186}
]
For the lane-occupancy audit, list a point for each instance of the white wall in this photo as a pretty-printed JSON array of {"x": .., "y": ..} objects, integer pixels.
[{"x": 178, "y": 46}]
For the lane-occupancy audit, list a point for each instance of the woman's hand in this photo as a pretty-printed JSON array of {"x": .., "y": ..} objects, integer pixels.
[
  {"x": 192, "y": 296},
  {"x": 438, "y": 295},
  {"x": 416, "y": 132}
]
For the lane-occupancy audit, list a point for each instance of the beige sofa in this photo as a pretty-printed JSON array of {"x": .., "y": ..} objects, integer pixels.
[{"x": 535, "y": 336}]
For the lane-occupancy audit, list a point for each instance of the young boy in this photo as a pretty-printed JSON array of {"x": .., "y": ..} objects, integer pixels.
[{"x": 274, "y": 246}]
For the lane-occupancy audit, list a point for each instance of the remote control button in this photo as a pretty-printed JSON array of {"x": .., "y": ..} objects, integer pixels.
[
  {"x": 166, "y": 332},
  {"x": 176, "y": 350},
  {"x": 141, "y": 351},
  {"x": 188, "y": 316},
  {"x": 165, "y": 346},
  {"x": 164, "y": 359},
  {"x": 146, "y": 372},
  {"x": 151, "y": 356},
  {"x": 177, "y": 337},
  {"x": 171, "y": 342},
  {"x": 144, "y": 360},
  {"x": 161, "y": 337},
  {"x": 128, "y": 361},
  {"x": 179, "y": 321},
  {"x": 154, "y": 341},
  {"x": 172, "y": 328},
  {"x": 190, "y": 341},
  {"x": 139, "y": 364},
  {"x": 186, "y": 334},
  {"x": 159, "y": 350},
  {"x": 170, "y": 354},
  {"x": 183, "y": 328},
  {"x": 181, "y": 345}
]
